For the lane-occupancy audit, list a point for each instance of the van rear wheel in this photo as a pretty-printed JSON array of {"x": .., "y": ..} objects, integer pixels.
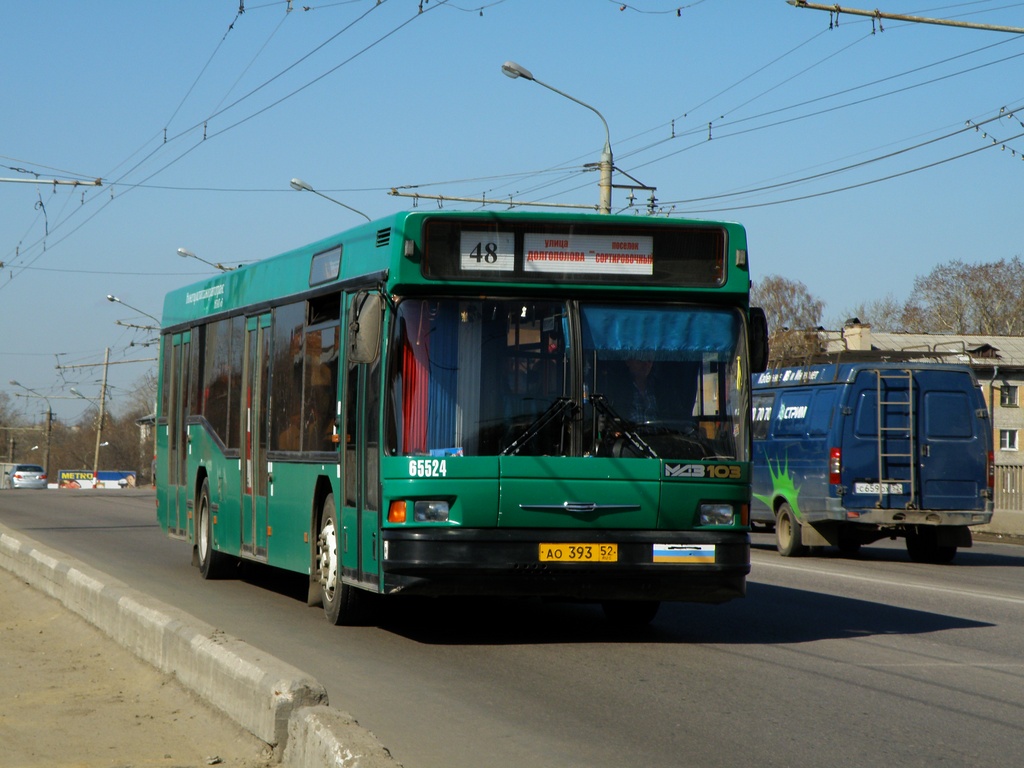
[
  {"x": 788, "y": 535},
  {"x": 923, "y": 547}
]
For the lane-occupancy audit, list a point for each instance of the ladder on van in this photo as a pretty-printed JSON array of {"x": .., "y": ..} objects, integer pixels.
[{"x": 894, "y": 418}]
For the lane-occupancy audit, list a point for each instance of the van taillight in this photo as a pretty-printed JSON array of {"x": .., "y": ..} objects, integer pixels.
[
  {"x": 835, "y": 465},
  {"x": 990, "y": 460}
]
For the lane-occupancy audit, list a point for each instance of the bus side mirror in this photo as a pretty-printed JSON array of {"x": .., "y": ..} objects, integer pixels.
[
  {"x": 758, "y": 340},
  {"x": 364, "y": 328}
]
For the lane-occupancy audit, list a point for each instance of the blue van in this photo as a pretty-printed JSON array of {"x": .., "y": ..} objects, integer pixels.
[{"x": 846, "y": 454}]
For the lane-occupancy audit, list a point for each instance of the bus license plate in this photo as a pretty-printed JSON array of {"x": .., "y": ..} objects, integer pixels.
[{"x": 579, "y": 553}]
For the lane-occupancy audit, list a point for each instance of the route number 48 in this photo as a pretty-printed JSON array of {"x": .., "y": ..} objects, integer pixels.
[
  {"x": 485, "y": 252},
  {"x": 488, "y": 251}
]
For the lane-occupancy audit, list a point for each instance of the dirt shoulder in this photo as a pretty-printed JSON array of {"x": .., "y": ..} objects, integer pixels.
[{"x": 74, "y": 697}]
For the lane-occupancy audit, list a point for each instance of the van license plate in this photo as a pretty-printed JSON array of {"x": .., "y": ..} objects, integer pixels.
[
  {"x": 896, "y": 489},
  {"x": 579, "y": 553}
]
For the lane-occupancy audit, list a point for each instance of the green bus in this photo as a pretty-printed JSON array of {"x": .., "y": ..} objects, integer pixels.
[{"x": 470, "y": 403}]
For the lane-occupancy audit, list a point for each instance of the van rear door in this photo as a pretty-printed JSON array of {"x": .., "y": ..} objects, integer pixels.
[
  {"x": 913, "y": 439},
  {"x": 954, "y": 441}
]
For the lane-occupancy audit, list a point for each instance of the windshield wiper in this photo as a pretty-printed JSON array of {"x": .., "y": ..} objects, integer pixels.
[
  {"x": 557, "y": 411},
  {"x": 639, "y": 445}
]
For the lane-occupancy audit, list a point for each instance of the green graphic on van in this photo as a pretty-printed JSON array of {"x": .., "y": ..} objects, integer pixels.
[{"x": 782, "y": 485}]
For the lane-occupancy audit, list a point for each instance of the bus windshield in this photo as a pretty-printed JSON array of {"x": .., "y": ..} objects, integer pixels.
[{"x": 521, "y": 376}]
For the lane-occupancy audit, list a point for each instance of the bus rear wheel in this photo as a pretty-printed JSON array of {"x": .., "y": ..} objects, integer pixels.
[
  {"x": 343, "y": 603},
  {"x": 788, "y": 536},
  {"x": 212, "y": 564}
]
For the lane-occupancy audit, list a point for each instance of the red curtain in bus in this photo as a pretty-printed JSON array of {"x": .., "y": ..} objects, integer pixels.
[{"x": 415, "y": 379}]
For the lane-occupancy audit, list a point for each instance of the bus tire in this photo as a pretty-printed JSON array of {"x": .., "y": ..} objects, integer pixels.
[
  {"x": 788, "y": 535},
  {"x": 343, "y": 603},
  {"x": 212, "y": 564},
  {"x": 923, "y": 547},
  {"x": 630, "y": 613}
]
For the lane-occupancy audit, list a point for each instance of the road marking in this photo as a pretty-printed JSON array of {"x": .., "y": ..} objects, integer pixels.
[{"x": 889, "y": 583}]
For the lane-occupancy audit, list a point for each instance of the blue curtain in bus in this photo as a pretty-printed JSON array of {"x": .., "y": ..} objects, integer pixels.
[
  {"x": 444, "y": 379},
  {"x": 666, "y": 334}
]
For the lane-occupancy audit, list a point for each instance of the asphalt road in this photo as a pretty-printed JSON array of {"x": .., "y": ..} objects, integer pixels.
[{"x": 872, "y": 661}]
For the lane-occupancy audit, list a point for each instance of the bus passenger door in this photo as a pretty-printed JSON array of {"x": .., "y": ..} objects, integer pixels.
[
  {"x": 255, "y": 377},
  {"x": 360, "y": 512},
  {"x": 177, "y": 435}
]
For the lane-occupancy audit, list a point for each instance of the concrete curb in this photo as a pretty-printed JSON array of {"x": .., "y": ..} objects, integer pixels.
[{"x": 276, "y": 702}]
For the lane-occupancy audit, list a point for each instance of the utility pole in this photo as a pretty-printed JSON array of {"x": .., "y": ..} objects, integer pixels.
[
  {"x": 99, "y": 424},
  {"x": 49, "y": 422}
]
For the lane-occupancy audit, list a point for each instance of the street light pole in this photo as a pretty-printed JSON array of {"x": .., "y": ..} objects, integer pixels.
[
  {"x": 185, "y": 253},
  {"x": 513, "y": 70},
  {"x": 111, "y": 297},
  {"x": 300, "y": 186},
  {"x": 49, "y": 425}
]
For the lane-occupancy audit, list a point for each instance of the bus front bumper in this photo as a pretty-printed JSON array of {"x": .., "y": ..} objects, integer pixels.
[{"x": 701, "y": 566}]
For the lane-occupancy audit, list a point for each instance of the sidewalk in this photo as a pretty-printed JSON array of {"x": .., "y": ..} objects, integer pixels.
[
  {"x": 97, "y": 674},
  {"x": 74, "y": 697}
]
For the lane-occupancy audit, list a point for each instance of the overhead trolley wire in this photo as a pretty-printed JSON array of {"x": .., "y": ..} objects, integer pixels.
[{"x": 129, "y": 186}]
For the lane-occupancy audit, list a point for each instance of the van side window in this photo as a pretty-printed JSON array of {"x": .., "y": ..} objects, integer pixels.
[
  {"x": 761, "y": 410},
  {"x": 821, "y": 412},
  {"x": 792, "y": 415}
]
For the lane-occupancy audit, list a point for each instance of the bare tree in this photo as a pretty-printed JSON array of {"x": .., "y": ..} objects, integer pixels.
[
  {"x": 941, "y": 300},
  {"x": 997, "y": 303},
  {"x": 885, "y": 315},
  {"x": 794, "y": 317},
  {"x": 122, "y": 448},
  {"x": 965, "y": 298}
]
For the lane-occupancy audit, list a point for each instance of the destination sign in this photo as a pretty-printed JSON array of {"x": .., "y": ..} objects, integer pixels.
[
  {"x": 574, "y": 252},
  {"x": 588, "y": 254}
]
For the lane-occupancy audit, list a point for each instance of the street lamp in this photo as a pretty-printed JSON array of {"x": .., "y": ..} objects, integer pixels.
[
  {"x": 49, "y": 424},
  {"x": 113, "y": 298},
  {"x": 185, "y": 253},
  {"x": 513, "y": 70},
  {"x": 300, "y": 186}
]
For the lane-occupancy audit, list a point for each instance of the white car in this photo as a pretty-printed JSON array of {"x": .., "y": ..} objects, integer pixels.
[{"x": 27, "y": 476}]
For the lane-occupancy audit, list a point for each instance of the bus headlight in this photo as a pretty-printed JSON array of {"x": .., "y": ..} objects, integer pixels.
[
  {"x": 430, "y": 512},
  {"x": 717, "y": 514}
]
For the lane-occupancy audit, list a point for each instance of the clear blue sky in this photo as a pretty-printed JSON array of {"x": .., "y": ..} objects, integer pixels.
[{"x": 196, "y": 117}]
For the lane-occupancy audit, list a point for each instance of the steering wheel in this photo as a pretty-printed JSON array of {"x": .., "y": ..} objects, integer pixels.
[{"x": 682, "y": 428}]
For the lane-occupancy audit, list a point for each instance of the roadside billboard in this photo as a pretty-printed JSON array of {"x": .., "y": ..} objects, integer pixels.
[{"x": 84, "y": 478}]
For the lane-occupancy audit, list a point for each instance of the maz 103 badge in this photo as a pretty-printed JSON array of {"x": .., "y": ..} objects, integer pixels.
[{"x": 704, "y": 471}]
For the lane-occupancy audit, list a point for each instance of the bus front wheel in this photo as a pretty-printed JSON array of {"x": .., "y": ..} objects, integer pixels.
[
  {"x": 343, "y": 603},
  {"x": 788, "y": 535}
]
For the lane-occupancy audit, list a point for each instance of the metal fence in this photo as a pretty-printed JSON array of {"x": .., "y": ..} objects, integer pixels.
[{"x": 1009, "y": 488}]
